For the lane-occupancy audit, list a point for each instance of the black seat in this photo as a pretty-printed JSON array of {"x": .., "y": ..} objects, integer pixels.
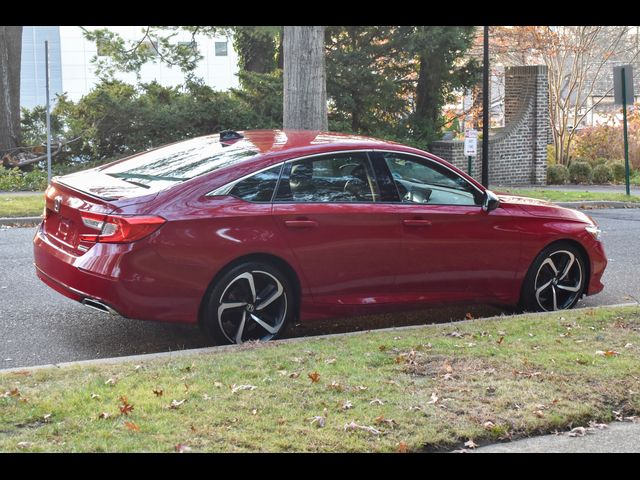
[{"x": 301, "y": 181}]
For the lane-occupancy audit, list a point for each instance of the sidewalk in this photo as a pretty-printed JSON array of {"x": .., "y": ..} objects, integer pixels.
[
  {"x": 621, "y": 437},
  {"x": 635, "y": 190}
]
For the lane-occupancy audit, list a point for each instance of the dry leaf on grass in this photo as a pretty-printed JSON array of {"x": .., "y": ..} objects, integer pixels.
[
  {"x": 330, "y": 361},
  {"x": 577, "y": 432},
  {"x": 126, "y": 408},
  {"x": 319, "y": 421},
  {"x": 346, "y": 405},
  {"x": 25, "y": 444},
  {"x": 180, "y": 448},
  {"x": 158, "y": 392},
  {"x": 132, "y": 426},
  {"x": 335, "y": 386},
  {"x": 95, "y": 396},
  {"x": 353, "y": 426},
  {"x": 434, "y": 399},
  {"x": 402, "y": 448},
  {"x": 238, "y": 388},
  {"x": 385, "y": 421},
  {"x": 176, "y": 404},
  {"x": 470, "y": 444},
  {"x": 314, "y": 377},
  {"x": 104, "y": 415},
  {"x": 294, "y": 375},
  {"x": 111, "y": 381},
  {"x": 376, "y": 401}
]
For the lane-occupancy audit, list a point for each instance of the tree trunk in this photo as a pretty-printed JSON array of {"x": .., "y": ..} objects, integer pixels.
[
  {"x": 305, "y": 83},
  {"x": 10, "y": 53}
]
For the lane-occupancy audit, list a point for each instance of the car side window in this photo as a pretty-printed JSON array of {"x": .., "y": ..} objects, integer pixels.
[
  {"x": 343, "y": 177},
  {"x": 426, "y": 182},
  {"x": 258, "y": 187}
]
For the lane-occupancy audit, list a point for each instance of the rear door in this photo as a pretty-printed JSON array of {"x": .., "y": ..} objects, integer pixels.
[{"x": 347, "y": 243}]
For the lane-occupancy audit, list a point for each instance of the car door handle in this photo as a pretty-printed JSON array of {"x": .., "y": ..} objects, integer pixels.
[
  {"x": 416, "y": 223},
  {"x": 301, "y": 223}
]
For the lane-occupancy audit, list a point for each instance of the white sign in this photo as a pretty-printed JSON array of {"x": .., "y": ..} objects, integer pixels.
[{"x": 470, "y": 142}]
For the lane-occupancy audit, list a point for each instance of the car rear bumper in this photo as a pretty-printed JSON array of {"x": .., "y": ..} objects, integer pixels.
[{"x": 124, "y": 278}]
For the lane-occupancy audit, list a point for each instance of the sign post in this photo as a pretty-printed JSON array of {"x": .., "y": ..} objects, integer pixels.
[
  {"x": 470, "y": 146},
  {"x": 623, "y": 87}
]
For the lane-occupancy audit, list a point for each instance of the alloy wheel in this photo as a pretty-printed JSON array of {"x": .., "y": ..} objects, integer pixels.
[
  {"x": 253, "y": 306},
  {"x": 559, "y": 281}
]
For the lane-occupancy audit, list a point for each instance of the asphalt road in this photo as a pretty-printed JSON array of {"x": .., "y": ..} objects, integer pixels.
[{"x": 39, "y": 326}]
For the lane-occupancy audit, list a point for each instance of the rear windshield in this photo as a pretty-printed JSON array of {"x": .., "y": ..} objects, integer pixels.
[{"x": 166, "y": 166}]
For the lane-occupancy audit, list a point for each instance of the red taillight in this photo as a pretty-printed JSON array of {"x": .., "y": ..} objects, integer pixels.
[{"x": 117, "y": 229}]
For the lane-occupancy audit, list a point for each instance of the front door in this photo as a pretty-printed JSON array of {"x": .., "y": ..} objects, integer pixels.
[{"x": 452, "y": 249}]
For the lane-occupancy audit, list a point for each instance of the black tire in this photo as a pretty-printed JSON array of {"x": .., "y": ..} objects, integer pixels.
[
  {"x": 547, "y": 285},
  {"x": 223, "y": 321}
]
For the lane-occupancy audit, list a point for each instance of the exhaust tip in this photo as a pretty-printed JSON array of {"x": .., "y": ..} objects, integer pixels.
[{"x": 97, "y": 305}]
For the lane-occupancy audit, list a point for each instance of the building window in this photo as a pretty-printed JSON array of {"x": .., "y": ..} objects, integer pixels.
[{"x": 221, "y": 49}]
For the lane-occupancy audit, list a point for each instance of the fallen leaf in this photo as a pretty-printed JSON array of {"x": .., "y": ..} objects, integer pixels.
[
  {"x": 314, "y": 376},
  {"x": 111, "y": 381},
  {"x": 132, "y": 426},
  {"x": 488, "y": 424},
  {"x": 335, "y": 386},
  {"x": 254, "y": 411},
  {"x": 238, "y": 388},
  {"x": 158, "y": 392},
  {"x": 499, "y": 342},
  {"x": 470, "y": 444},
  {"x": 346, "y": 405},
  {"x": 294, "y": 375},
  {"x": 218, "y": 384},
  {"x": 539, "y": 413},
  {"x": 402, "y": 448},
  {"x": 599, "y": 426},
  {"x": 353, "y": 426},
  {"x": 46, "y": 417},
  {"x": 577, "y": 432},
  {"x": 186, "y": 388},
  {"x": 385, "y": 421},
  {"x": 468, "y": 316},
  {"x": 454, "y": 334},
  {"x": 206, "y": 396},
  {"x": 104, "y": 415},
  {"x": 376, "y": 401},
  {"x": 382, "y": 348},
  {"x": 180, "y": 448},
  {"x": 95, "y": 396},
  {"x": 176, "y": 404},
  {"x": 319, "y": 421},
  {"x": 282, "y": 373},
  {"x": 330, "y": 361},
  {"x": 14, "y": 392},
  {"x": 126, "y": 407},
  {"x": 360, "y": 388},
  {"x": 434, "y": 398},
  {"x": 138, "y": 367},
  {"x": 25, "y": 444}
]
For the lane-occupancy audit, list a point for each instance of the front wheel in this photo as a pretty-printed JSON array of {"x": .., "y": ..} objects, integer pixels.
[
  {"x": 252, "y": 301},
  {"x": 555, "y": 281}
]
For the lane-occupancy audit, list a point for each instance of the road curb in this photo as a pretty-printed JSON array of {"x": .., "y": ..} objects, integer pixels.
[
  {"x": 597, "y": 204},
  {"x": 202, "y": 351},
  {"x": 20, "y": 221}
]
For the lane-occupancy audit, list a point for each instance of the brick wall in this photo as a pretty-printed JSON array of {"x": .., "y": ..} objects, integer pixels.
[{"x": 517, "y": 152}]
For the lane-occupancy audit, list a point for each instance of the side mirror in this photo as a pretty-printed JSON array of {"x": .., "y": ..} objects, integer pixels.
[{"x": 490, "y": 202}]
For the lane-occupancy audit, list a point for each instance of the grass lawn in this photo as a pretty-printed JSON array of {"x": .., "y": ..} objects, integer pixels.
[
  {"x": 560, "y": 196},
  {"x": 421, "y": 389},
  {"x": 21, "y": 205}
]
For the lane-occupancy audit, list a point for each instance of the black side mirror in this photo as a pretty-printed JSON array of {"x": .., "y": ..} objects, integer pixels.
[{"x": 490, "y": 202}]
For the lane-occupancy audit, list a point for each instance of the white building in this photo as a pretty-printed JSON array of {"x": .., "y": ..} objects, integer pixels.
[{"x": 72, "y": 72}]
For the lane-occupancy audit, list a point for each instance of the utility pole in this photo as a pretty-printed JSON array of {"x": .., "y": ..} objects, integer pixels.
[
  {"x": 485, "y": 110},
  {"x": 46, "y": 75}
]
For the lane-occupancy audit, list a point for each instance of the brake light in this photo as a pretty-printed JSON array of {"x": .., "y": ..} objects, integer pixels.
[{"x": 119, "y": 229}]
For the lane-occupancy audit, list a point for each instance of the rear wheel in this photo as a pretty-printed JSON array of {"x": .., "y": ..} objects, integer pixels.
[
  {"x": 252, "y": 301},
  {"x": 556, "y": 279}
]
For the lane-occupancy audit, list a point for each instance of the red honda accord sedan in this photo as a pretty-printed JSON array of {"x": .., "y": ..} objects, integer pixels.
[{"x": 243, "y": 232}]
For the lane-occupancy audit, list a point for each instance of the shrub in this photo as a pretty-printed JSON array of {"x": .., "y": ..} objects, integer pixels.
[
  {"x": 617, "y": 169},
  {"x": 14, "y": 180},
  {"x": 602, "y": 174},
  {"x": 580, "y": 172},
  {"x": 557, "y": 174},
  {"x": 598, "y": 161}
]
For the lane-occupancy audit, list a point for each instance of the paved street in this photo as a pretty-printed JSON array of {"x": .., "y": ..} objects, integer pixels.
[{"x": 40, "y": 326}]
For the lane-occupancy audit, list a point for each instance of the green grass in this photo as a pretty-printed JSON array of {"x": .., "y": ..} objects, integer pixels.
[
  {"x": 572, "y": 196},
  {"x": 21, "y": 205},
  {"x": 426, "y": 388}
]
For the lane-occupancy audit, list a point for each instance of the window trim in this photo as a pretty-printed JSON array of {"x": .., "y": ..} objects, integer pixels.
[{"x": 427, "y": 159}]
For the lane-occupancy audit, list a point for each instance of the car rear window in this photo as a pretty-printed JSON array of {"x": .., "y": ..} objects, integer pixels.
[{"x": 166, "y": 166}]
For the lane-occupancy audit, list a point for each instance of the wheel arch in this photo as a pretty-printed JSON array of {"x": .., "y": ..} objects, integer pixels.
[{"x": 271, "y": 259}]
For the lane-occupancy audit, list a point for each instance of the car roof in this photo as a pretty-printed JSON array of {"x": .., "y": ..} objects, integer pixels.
[{"x": 299, "y": 141}]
